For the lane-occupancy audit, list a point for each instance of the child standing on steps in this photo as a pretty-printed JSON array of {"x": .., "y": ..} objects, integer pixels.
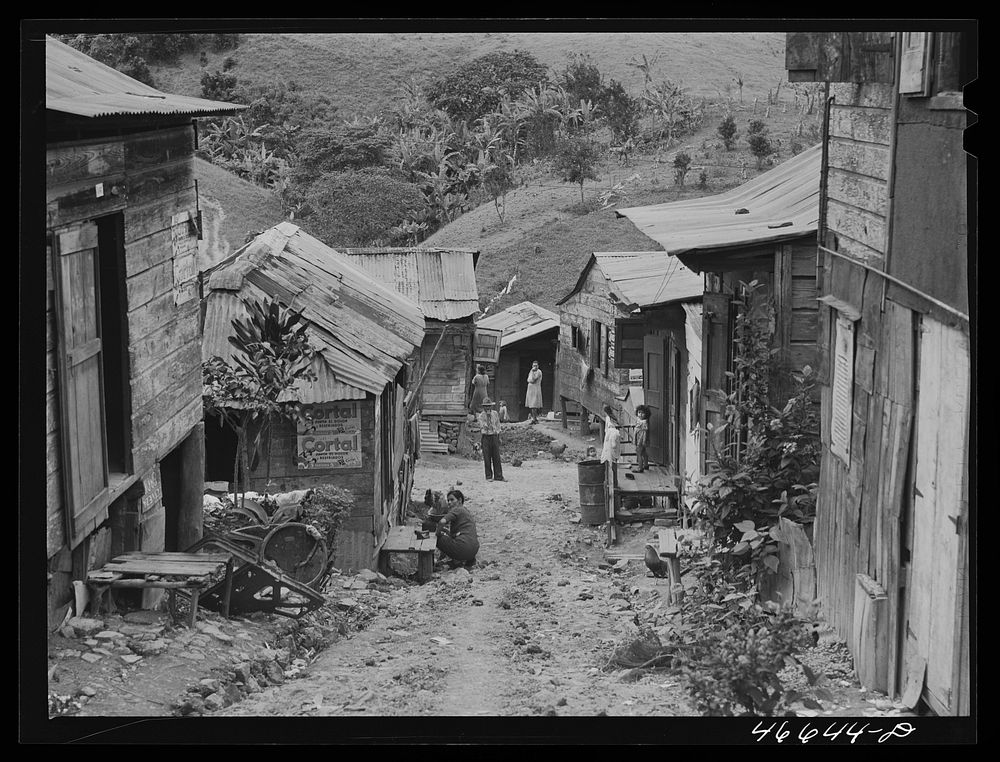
[{"x": 641, "y": 438}]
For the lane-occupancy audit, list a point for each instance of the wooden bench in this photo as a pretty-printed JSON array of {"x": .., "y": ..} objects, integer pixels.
[
  {"x": 403, "y": 539},
  {"x": 193, "y": 572}
]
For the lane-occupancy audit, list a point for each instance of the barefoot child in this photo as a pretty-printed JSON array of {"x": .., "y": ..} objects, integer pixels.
[{"x": 641, "y": 438}]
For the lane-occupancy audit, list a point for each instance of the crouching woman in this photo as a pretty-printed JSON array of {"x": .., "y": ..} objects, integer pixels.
[{"x": 456, "y": 531}]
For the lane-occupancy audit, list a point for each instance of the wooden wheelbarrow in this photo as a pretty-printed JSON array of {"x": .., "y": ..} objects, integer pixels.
[{"x": 258, "y": 583}]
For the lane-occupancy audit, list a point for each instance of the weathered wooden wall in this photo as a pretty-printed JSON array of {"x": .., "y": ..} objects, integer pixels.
[
  {"x": 445, "y": 387},
  {"x": 598, "y": 388},
  {"x": 147, "y": 178}
]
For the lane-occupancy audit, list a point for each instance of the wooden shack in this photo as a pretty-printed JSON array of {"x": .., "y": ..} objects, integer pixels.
[
  {"x": 622, "y": 327},
  {"x": 892, "y": 525},
  {"x": 355, "y": 431},
  {"x": 528, "y": 333},
  {"x": 763, "y": 231},
  {"x": 443, "y": 283},
  {"x": 124, "y": 447}
]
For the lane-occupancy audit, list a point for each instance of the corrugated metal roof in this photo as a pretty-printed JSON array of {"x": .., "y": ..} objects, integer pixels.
[
  {"x": 643, "y": 278},
  {"x": 77, "y": 84},
  {"x": 782, "y": 203},
  {"x": 520, "y": 321},
  {"x": 362, "y": 329},
  {"x": 442, "y": 281}
]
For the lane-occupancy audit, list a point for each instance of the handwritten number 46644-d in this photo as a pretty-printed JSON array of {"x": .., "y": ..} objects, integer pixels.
[{"x": 782, "y": 732}]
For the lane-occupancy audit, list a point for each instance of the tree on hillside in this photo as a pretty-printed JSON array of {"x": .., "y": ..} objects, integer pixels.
[
  {"x": 621, "y": 111},
  {"x": 727, "y": 131},
  {"x": 476, "y": 88},
  {"x": 338, "y": 148},
  {"x": 576, "y": 162},
  {"x": 582, "y": 79}
]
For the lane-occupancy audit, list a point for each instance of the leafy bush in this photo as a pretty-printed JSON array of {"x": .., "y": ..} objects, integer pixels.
[
  {"x": 218, "y": 86},
  {"x": 621, "y": 111},
  {"x": 682, "y": 163},
  {"x": 582, "y": 79},
  {"x": 359, "y": 207},
  {"x": 325, "y": 507},
  {"x": 575, "y": 162},
  {"x": 769, "y": 467},
  {"x": 760, "y": 146},
  {"x": 727, "y": 131},
  {"x": 228, "y": 63},
  {"x": 222, "y": 42},
  {"x": 477, "y": 88},
  {"x": 339, "y": 148},
  {"x": 756, "y": 126}
]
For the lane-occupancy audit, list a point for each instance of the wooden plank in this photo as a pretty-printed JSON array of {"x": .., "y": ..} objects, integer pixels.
[
  {"x": 155, "y": 380},
  {"x": 870, "y": 610},
  {"x": 871, "y": 506},
  {"x": 147, "y": 252},
  {"x": 177, "y": 333},
  {"x": 944, "y": 379},
  {"x": 165, "y": 569},
  {"x": 863, "y": 125},
  {"x": 857, "y": 224},
  {"x": 91, "y": 160},
  {"x": 142, "y": 221},
  {"x": 867, "y": 159},
  {"x": 158, "y": 181},
  {"x": 859, "y": 191},
  {"x": 83, "y": 202},
  {"x": 148, "y": 150},
  {"x": 804, "y": 325},
  {"x": 895, "y": 492},
  {"x": 151, "y": 283}
]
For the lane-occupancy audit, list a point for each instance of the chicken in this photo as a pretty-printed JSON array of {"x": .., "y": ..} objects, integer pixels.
[
  {"x": 654, "y": 563},
  {"x": 557, "y": 448}
]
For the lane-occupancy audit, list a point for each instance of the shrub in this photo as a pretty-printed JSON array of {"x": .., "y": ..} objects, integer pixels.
[
  {"x": 218, "y": 86},
  {"x": 703, "y": 179},
  {"x": 222, "y": 42},
  {"x": 359, "y": 207},
  {"x": 476, "y": 88},
  {"x": 228, "y": 63},
  {"x": 756, "y": 126},
  {"x": 682, "y": 163},
  {"x": 325, "y": 507},
  {"x": 760, "y": 146},
  {"x": 582, "y": 79},
  {"x": 727, "y": 131},
  {"x": 339, "y": 148},
  {"x": 575, "y": 162},
  {"x": 621, "y": 111}
]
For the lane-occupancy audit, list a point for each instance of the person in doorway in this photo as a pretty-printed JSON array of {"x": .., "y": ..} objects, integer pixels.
[
  {"x": 533, "y": 399},
  {"x": 480, "y": 387},
  {"x": 612, "y": 442},
  {"x": 641, "y": 438},
  {"x": 456, "y": 532},
  {"x": 489, "y": 425}
]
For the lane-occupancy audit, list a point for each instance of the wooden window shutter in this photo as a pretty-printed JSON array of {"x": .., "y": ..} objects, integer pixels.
[
  {"x": 915, "y": 64},
  {"x": 82, "y": 418},
  {"x": 487, "y": 345},
  {"x": 628, "y": 342},
  {"x": 843, "y": 389},
  {"x": 595, "y": 344}
]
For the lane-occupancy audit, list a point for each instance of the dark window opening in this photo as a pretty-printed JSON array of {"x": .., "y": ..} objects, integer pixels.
[
  {"x": 171, "y": 474},
  {"x": 220, "y": 449},
  {"x": 114, "y": 342}
]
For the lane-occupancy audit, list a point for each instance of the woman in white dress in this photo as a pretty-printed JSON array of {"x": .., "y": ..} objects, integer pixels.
[{"x": 533, "y": 399}]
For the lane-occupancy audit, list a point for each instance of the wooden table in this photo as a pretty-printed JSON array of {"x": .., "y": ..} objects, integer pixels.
[
  {"x": 169, "y": 571},
  {"x": 403, "y": 539}
]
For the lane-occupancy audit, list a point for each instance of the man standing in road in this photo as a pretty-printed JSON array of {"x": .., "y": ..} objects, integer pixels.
[{"x": 489, "y": 425}]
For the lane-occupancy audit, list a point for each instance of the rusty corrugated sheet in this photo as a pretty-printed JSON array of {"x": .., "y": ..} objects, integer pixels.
[
  {"x": 77, "y": 84},
  {"x": 442, "y": 280},
  {"x": 780, "y": 204},
  {"x": 520, "y": 321},
  {"x": 644, "y": 279},
  {"x": 363, "y": 330}
]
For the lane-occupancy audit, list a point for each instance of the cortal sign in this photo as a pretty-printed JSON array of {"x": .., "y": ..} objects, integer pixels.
[{"x": 329, "y": 436}]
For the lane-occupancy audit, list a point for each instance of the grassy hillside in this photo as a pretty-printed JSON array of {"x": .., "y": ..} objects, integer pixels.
[
  {"x": 232, "y": 208},
  {"x": 364, "y": 72},
  {"x": 547, "y": 234}
]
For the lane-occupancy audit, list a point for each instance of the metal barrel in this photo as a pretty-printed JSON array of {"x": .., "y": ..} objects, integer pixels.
[{"x": 593, "y": 509}]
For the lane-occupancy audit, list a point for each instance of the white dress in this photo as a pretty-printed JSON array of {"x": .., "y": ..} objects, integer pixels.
[{"x": 533, "y": 399}]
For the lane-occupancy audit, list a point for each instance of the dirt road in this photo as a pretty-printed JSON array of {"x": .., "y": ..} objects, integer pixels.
[{"x": 527, "y": 632}]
